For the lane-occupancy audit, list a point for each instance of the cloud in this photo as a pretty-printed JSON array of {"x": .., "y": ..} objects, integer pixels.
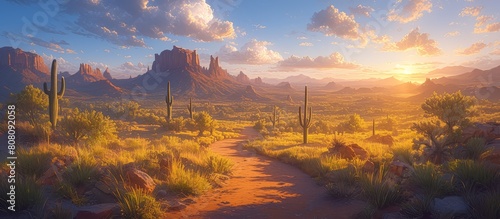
[
  {"x": 452, "y": 34},
  {"x": 362, "y": 10},
  {"x": 107, "y": 51},
  {"x": 252, "y": 53},
  {"x": 471, "y": 11},
  {"x": 333, "y": 22},
  {"x": 128, "y": 68},
  {"x": 334, "y": 60},
  {"x": 483, "y": 24},
  {"x": 473, "y": 49},
  {"x": 415, "y": 40},
  {"x": 258, "y": 26},
  {"x": 496, "y": 52},
  {"x": 407, "y": 11},
  {"x": 52, "y": 45},
  {"x": 302, "y": 38},
  {"x": 62, "y": 64},
  {"x": 127, "y": 23},
  {"x": 306, "y": 44}
]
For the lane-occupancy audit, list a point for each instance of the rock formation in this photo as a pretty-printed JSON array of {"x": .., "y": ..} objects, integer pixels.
[
  {"x": 107, "y": 75},
  {"x": 214, "y": 70},
  {"x": 243, "y": 78},
  {"x": 19, "y": 60},
  {"x": 86, "y": 74},
  {"x": 177, "y": 58}
]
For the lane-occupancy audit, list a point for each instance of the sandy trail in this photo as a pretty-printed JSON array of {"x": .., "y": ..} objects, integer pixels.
[{"x": 261, "y": 187}]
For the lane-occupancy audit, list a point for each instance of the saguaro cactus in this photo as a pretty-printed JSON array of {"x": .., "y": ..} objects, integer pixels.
[
  {"x": 275, "y": 118},
  {"x": 190, "y": 109},
  {"x": 53, "y": 94},
  {"x": 305, "y": 121},
  {"x": 169, "y": 99}
]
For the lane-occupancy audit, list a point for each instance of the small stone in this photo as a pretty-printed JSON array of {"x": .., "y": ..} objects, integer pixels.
[
  {"x": 103, "y": 187},
  {"x": 175, "y": 206},
  {"x": 161, "y": 194}
]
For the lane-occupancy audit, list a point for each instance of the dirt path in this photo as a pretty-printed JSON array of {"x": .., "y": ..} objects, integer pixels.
[{"x": 264, "y": 188}]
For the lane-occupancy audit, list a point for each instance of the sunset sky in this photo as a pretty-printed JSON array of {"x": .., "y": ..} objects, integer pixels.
[{"x": 348, "y": 39}]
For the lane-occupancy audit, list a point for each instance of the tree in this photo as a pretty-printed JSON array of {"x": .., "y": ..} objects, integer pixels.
[
  {"x": 87, "y": 125},
  {"x": 448, "y": 113},
  {"x": 31, "y": 104},
  {"x": 354, "y": 124},
  {"x": 203, "y": 122},
  {"x": 452, "y": 109}
]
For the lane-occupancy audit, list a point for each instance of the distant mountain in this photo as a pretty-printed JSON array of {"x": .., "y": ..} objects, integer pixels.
[
  {"x": 448, "y": 71},
  {"x": 18, "y": 69},
  {"x": 285, "y": 86},
  {"x": 248, "y": 94},
  {"x": 373, "y": 82},
  {"x": 243, "y": 78},
  {"x": 475, "y": 77},
  {"x": 182, "y": 68},
  {"x": 332, "y": 86},
  {"x": 86, "y": 74},
  {"x": 296, "y": 80}
]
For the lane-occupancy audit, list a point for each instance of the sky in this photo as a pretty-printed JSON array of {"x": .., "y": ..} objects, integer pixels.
[{"x": 344, "y": 39}]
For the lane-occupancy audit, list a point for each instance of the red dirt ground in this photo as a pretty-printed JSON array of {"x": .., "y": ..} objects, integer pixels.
[{"x": 261, "y": 187}]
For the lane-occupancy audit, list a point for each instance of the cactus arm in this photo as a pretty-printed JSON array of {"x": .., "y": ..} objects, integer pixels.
[
  {"x": 60, "y": 94},
  {"x": 310, "y": 117},
  {"x": 45, "y": 89}
]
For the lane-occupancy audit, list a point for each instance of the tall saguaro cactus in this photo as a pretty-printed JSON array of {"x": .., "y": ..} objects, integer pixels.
[
  {"x": 275, "y": 119},
  {"x": 305, "y": 121},
  {"x": 190, "y": 109},
  {"x": 53, "y": 94},
  {"x": 373, "y": 128},
  {"x": 169, "y": 99}
]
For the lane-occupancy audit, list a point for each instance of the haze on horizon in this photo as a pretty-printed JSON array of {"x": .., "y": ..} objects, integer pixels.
[{"x": 321, "y": 39}]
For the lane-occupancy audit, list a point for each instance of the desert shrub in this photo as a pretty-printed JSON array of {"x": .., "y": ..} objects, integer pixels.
[
  {"x": 32, "y": 163},
  {"x": 81, "y": 171},
  {"x": 176, "y": 124},
  {"x": 88, "y": 125},
  {"x": 484, "y": 205},
  {"x": 67, "y": 190},
  {"x": 474, "y": 148},
  {"x": 389, "y": 124},
  {"x": 354, "y": 124},
  {"x": 379, "y": 191},
  {"x": 342, "y": 190},
  {"x": 428, "y": 178},
  {"x": 59, "y": 212},
  {"x": 417, "y": 207},
  {"x": 473, "y": 176},
  {"x": 204, "y": 122},
  {"x": 28, "y": 193},
  {"x": 403, "y": 154},
  {"x": 260, "y": 125},
  {"x": 218, "y": 164},
  {"x": 186, "y": 181},
  {"x": 135, "y": 203},
  {"x": 31, "y": 105}
]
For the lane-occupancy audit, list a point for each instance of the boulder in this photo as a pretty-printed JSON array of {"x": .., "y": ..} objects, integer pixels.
[
  {"x": 399, "y": 168},
  {"x": 103, "y": 187},
  {"x": 382, "y": 139},
  {"x": 175, "y": 205},
  {"x": 100, "y": 211},
  {"x": 140, "y": 179},
  {"x": 488, "y": 131},
  {"x": 359, "y": 151},
  {"x": 451, "y": 205}
]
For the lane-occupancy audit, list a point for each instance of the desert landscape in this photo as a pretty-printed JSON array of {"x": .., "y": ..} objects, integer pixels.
[{"x": 241, "y": 132}]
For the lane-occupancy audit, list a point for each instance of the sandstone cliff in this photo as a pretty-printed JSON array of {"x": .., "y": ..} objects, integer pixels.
[
  {"x": 20, "y": 60},
  {"x": 86, "y": 74},
  {"x": 177, "y": 58}
]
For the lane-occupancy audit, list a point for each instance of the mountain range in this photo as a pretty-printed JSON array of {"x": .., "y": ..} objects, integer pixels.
[{"x": 189, "y": 79}]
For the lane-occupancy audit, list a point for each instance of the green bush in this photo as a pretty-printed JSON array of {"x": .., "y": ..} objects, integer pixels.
[
  {"x": 430, "y": 180},
  {"x": 28, "y": 193},
  {"x": 219, "y": 164},
  {"x": 474, "y": 148},
  {"x": 82, "y": 171},
  {"x": 474, "y": 176},
  {"x": 138, "y": 205},
  {"x": 186, "y": 181},
  {"x": 417, "y": 207},
  {"x": 485, "y": 205},
  {"x": 32, "y": 163},
  {"x": 378, "y": 191},
  {"x": 88, "y": 125}
]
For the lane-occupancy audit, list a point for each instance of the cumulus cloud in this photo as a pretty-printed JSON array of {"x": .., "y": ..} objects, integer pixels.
[
  {"x": 473, "y": 49},
  {"x": 407, "y": 11},
  {"x": 306, "y": 44},
  {"x": 127, "y": 23},
  {"x": 334, "y": 60},
  {"x": 128, "y": 69},
  {"x": 496, "y": 52},
  {"x": 452, "y": 34},
  {"x": 415, "y": 40},
  {"x": 362, "y": 10},
  {"x": 483, "y": 22},
  {"x": 471, "y": 11},
  {"x": 62, "y": 64},
  {"x": 254, "y": 53},
  {"x": 333, "y": 22}
]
